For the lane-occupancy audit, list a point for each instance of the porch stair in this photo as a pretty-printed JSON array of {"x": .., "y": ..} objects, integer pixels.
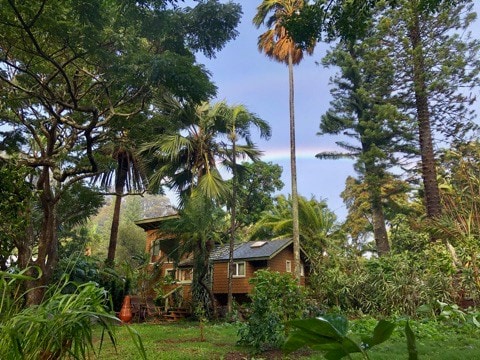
[{"x": 174, "y": 315}]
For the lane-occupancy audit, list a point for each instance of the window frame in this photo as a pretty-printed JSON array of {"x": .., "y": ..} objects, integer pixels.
[
  {"x": 185, "y": 275},
  {"x": 155, "y": 244},
  {"x": 172, "y": 273},
  {"x": 288, "y": 266},
  {"x": 236, "y": 267}
]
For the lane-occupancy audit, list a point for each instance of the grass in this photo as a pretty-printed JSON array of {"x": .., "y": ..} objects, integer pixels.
[
  {"x": 175, "y": 341},
  {"x": 182, "y": 341}
]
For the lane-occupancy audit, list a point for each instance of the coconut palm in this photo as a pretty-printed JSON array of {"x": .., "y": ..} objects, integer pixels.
[
  {"x": 124, "y": 170},
  {"x": 278, "y": 45}
]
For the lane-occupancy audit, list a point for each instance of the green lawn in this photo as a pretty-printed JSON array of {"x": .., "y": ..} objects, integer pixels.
[{"x": 182, "y": 342}]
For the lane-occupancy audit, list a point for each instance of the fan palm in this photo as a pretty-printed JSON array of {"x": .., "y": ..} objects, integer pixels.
[
  {"x": 187, "y": 159},
  {"x": 278, "y": 45}
]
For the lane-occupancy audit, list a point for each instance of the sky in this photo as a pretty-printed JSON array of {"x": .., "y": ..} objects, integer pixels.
[{"x": 245, "y": 76}]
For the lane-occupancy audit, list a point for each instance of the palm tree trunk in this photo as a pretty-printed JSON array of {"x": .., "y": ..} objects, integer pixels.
[
  {"x": 120, "y": 180},
  {"x": 232, "y": 226},
  {"x": 293, "y": 170},
  {"x": 429, "y": 172}
]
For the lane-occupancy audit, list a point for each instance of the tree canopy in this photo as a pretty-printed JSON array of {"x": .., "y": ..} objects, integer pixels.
[{"x": 67, "y": 70}]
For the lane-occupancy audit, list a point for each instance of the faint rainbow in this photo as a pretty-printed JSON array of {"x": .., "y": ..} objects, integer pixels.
[{"x": 302, "y": 153}]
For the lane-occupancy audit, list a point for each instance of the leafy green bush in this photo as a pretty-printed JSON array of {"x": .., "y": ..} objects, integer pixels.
[
  {"x": 59, "y": 327},
  {"x": 276, "y": 299},
  {"x": 397, "y": 284},
  {"x": 83, "y": 269}
]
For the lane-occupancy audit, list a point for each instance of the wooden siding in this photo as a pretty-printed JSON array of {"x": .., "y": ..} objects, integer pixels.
[
  {"x": 279, "y": 262},
  {"x": 241, "y": 285},
  {"x": 151, "y": 236}
]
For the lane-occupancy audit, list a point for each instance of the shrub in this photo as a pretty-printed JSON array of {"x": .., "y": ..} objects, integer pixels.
[
  {"x": 390, "y": 285},
  {"x": 83, "y": 269},
  {"x": 276, "y": 299}
]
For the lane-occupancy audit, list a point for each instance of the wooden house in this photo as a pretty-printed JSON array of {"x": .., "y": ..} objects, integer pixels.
[
  {"x": 248, "y": 257},
  {"x": 276, "y": 255}
]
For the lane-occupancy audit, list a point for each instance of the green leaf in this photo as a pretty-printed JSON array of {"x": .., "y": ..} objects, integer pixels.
[
  {"x": 328, "y": 326},
  {"x": 323, "y": 333},
  {"x": 348, "y": 346},
  {"x": 381, "y": 333},
  {"x": 475, "y": 321}
]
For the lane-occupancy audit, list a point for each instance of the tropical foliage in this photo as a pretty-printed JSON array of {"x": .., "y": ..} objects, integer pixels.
[
  {"x": 59, "y": 327},
  {"x": 108, "y": 98},
  {"x": 275, "y": 300},
  {"x": 318, "y": 228}
]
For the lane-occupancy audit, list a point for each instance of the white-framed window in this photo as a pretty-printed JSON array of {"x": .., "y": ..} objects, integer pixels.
[
  {"x": 302, "y": 270},
  {"x": 238, "y": 269},
  {"x": 288, "y": 266},
  {"x": 185, "y": 275}
]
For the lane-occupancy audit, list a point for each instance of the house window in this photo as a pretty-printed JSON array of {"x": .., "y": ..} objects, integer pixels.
[
  {"x": 302, "y": 270},
  {"x": 185, "y": 275},
  {"x": 170, "y": 273},
  {"x": 288, "y": 266},
  {"x": 155, "y": 248},
  {"x": 239, "y": 269}
]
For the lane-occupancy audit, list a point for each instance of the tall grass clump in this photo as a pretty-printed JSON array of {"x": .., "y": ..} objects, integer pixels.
[{"x": 60, "y": 327}]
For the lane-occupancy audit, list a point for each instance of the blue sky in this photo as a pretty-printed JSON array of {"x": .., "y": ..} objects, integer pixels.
[{"x": 245, "y": 76}]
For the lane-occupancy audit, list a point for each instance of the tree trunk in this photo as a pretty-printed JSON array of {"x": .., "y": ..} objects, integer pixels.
[
  {"x": 47, "y": 256},
  {"x": 429, "y": 172},
  {"x": 232, "y": 225},
  {"x": 378, "y": 219},
  {"x": 202, "y": 293},
  {"x": 373, "y": 180},
  {"x": 293, "y": 170},
  {"x": 120, "y": 181}
]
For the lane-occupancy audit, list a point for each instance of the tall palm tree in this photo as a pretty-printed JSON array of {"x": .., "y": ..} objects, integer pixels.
[
  {"x": 239, "y": 121},
  {"x": 124, "y": 169},
  {"x": 186, "y": 161},
  {"x": 278, "y": 45}
]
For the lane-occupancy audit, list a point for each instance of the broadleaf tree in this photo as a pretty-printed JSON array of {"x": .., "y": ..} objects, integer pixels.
[{"x": 67, "y": 69}]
